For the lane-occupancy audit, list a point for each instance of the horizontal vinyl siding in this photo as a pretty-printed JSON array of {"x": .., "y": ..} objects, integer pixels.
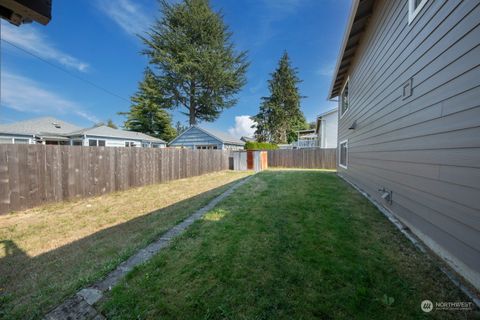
[
  {"x": 425, "y": 148},
  {"x": 417, "y": 213}
]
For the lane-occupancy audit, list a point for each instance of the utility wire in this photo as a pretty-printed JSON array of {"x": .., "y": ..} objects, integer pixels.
[{"x": 67, "y": 72}]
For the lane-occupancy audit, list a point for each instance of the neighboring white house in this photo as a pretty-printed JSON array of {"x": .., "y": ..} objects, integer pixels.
[
  {"x": 109, "y": 137},
  {"x": 305, "y": 139},
  {"x": 201, "y": 138},
  {"x": 52, "y": 131},
  {"x": 326, "y": 130},
  {"x": 46, "y": 130},
  {"x": 323, "y": 136}
]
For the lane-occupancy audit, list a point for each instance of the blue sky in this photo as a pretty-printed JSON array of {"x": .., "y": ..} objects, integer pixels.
[{"x": 96, "y": 40}]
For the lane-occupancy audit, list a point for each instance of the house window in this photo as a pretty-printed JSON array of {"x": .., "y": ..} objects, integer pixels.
[
  {"x": 129, "y": 144},
  {"x": 343, "y": 154},
  {"x": 6, "y": 140},
  {"x": 77, "y": 143},
  {"x": 96, "y": 143},
  {"x": 414, "y": 7},
  {"x": 20, "y": 141},
  {"x": 209, "y": 147},
  {"x": 344, "y": 103}
]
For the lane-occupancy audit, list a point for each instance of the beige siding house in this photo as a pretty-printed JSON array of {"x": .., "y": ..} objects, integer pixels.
[{"x": 408, "y": 84}]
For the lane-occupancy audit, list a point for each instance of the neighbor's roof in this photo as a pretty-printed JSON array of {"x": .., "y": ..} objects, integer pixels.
[
  {"x": 248, "y": 139},
  {"x": 51, "y": 127},
  {"x": 105, "y": 131},
  {"x": 39, "y": 126},
  {"x": 310, "y": 135},
  {"x": 357, "y": 23},
  {"x": 223, "y": 136},
  {"x": 320, "y": 116},
  {"x": 327, "y": 112},
  {"x": 305, "y": 131},
  {"x": 219, "y": 135}
]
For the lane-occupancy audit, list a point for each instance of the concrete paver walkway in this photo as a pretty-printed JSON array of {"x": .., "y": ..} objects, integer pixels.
[{"x": 81, "y": 305}]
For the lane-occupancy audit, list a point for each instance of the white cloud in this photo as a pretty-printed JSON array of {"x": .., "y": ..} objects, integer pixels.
[
  {"x": 25, "y": 95},
  {"x": 243, "y": 127},
  {"x": 327, "y": 70},
  {"x": 27, "y": 37},
  {"x": 127, "y": 14}
]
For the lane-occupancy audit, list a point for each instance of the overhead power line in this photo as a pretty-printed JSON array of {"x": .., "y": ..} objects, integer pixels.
[{"x": 67, "y": 71}]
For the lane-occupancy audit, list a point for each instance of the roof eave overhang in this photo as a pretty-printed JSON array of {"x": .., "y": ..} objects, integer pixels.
[
  {"x": 328, "y": 112},
  {"x": 359, "y": 15}
]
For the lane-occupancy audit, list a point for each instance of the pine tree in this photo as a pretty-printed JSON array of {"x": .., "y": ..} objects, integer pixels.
[
  {"x": 180, "y": 128},
  {"x": 191, "y": 48},
  {"x": 108, "y": 124},
  {"x": 148, "y": 112},
  {"x": 280, "y": 114},
  {"x": 262, "y": 122},
  {"x": 111, "y": 124}
]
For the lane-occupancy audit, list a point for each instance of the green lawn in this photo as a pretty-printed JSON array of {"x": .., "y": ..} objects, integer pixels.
[
  {"x": 287, "y": 245},
  {"x": 50, "y": 252}
]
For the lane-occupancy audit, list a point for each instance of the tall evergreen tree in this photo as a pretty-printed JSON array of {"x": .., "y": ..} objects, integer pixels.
[
  {"x": 280, "y": 114},
  {"x": 263, "y": 131},
  {"x": 148, "y": 112},
  {"x": 197, "y": 64},
  {"x": 111, "y": 124},
  {"x": 180, "y": 128}
]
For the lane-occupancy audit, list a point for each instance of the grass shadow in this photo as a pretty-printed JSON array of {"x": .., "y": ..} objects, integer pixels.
[
  {"x": 287, "y": 245},
  {"x": 30, "y": 286}
]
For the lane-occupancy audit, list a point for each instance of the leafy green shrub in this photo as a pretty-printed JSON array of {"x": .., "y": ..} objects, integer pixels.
[{"x": 253, "y": 145}]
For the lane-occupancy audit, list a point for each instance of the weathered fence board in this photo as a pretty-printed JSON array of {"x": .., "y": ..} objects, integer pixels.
[
  {"x": 34, "y": 174},
  {"x": 314, "y": 158}
]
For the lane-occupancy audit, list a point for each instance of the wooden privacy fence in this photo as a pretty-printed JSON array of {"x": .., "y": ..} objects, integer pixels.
[
  {"x": 303, "y": 158},
  {"x": 34, "y": 174}
]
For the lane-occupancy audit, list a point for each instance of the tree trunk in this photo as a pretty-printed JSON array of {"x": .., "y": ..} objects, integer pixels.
[
  {"x": 192, "y": 115},
  {"x": 193, "y": 120}
]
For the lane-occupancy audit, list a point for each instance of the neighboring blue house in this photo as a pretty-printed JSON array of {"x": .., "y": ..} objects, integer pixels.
[{"x": 200, "y": 138}]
